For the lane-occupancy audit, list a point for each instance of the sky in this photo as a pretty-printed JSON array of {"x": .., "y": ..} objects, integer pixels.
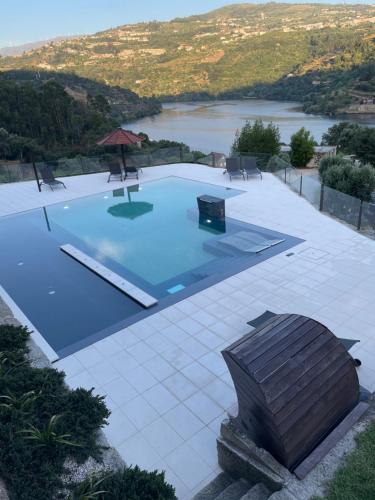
[{"x": 23, "y": 21}]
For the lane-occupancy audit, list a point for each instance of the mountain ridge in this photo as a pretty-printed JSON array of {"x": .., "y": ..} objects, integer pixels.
[{"x": 242, "y": 50}]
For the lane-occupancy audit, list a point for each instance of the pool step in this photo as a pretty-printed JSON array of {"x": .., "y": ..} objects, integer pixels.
[{"x": 114, "y": 279}]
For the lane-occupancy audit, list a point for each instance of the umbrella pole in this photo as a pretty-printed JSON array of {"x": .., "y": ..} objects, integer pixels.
[{"x": 123, "y": 158}]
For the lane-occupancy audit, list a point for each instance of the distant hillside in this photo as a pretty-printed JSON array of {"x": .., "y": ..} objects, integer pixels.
[
  {"x": 294, "y": 51},
  {"x": 124, "y": 104},
  {"x": 17, "y": 50}
]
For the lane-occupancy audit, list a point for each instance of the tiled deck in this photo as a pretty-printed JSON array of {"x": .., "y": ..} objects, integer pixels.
[{"x": 164, "y": 378}]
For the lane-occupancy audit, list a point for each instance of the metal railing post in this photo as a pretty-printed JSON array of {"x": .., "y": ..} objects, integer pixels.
[
  {"x": 181, "y": 155},
  {"x": 285, "y": 175},
  {"x": 213, "y": 160},
  {"x": 360, "y": 216},
  {"x": 300, "y": 186},
  {"x": 321, "y": 203},
  {"x": 36, "y": 175}
]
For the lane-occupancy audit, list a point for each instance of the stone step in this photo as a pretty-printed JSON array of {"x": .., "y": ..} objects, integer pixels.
[
  {"x": 215, "y": 487},
  {"x": 257, "y": 492},
  {"x": 235, "y": 491}
]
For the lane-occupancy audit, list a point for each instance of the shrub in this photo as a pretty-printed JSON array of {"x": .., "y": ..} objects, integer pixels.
[
  {"x": 257, "y": 138},
  {"x": 130, "y": 483},
  {"x": 33, "y": 444},
  {"x": 355, "y": 181},
  {"x": 330, "y": 161},
  {"x": 301, "y": 148}
]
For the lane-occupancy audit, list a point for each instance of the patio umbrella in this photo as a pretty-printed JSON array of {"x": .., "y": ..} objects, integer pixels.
[
  {"x": 131, "y": 210},
  {"x": 120, "y": 137}
]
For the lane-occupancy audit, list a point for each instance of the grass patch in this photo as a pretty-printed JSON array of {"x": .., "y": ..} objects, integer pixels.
[{"x": 356, "y": 478}]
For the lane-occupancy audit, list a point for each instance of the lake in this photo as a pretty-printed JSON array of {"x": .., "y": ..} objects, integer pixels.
[{"x": 211, "y": 126}]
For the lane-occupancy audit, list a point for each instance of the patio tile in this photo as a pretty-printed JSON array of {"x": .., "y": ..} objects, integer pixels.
[
  {"x": 119, "y": 428},
  {"x": 89, "y": 356},
  {"x": 188, "y": 465},
  {"x": 198, "y": 374},
  {"x": 140, "y": 378},
  {"x": 177, "y": 357},
  {"x": 214, "y": 362},
  {"x": 140, "y": 412},
  {"x": 183, "y": 421},
  {"x": 180, "y": 386},
  {"x": 141, "y": 352},
  {"x": 189, "y": 325},
  {"x": 209, "y": 338},
  {"x": 125, "y": 338},
  {"x": 160, "y": 399},
  {"x": 159, "y": 368},
  {"x": 103, "y": 372},
  {"x": 204, "y": 318},
  {"x": 70, "y": 365},
  {"x": 204, "y": 443},
  {"x": 175, "y": 334},
  {"x": 182, "y": 491},
  {"x": 194, "y": 348},
  {"x": 221, "y": 393},
  {"x": 83, "y": 379},
  {"x": 119, "y": 391},
  {"x": 108, "y": 346},
  {"x": 188, "y": 307},
  {"x": 161, "y": 437},
  {"x": 203, "y": 407},
  {"x": 159, "y": 343},
  {"x": 173, "y": 314},
  {"x": 137, "y": 451},
  {"x": 123, "y": 362}
]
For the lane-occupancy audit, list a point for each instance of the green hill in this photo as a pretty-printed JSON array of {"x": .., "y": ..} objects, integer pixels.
[{"x": 292, "y": 51}]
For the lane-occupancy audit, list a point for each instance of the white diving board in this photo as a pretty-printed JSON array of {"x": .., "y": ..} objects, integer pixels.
[{"x": 114, "y": 279}]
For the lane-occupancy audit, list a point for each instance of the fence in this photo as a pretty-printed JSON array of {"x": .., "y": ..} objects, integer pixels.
[
  {"x": 64, "y": 167},
  {"x": 353, "y": 211},
  {"x": 357, "y": 213}
]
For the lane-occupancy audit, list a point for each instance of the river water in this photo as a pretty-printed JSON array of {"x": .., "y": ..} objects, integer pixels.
[{"x": 211, "y": 126}]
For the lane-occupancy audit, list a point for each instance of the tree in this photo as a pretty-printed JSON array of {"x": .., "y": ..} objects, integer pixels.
[
  {"x": 301, "y": 148},
  {"x": 257, "y": 138}
]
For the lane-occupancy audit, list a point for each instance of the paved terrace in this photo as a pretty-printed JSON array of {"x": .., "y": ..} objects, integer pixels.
[{"x": 164, "y": 378}]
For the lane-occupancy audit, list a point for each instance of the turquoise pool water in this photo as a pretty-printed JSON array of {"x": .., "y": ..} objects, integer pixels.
[{"x": 149, "y": 229}]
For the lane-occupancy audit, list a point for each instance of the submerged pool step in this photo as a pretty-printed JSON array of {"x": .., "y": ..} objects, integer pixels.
[{"x": 114, "y": 279}]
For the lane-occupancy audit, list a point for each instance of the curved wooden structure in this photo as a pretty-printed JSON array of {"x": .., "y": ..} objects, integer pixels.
[{"x": 294, "y": 381}]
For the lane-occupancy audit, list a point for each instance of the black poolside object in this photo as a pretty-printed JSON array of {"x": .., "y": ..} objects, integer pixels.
[
  {"x": 211, "y": 206},
  {"x": 295, "y": 383},
  {"x": 49, "y": 179},
  {"x": 249, "y": 166},
  {"x": 114, "y": 169},
  {"x": 233, "y": 166},
  {"x": 131, "y": 172}
]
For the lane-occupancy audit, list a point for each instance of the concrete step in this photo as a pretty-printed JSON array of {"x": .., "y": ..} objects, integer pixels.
[
  {"x": 235, "y": 491},
  {"x": 215, "y": 487},
  {"x": 257, "y": 492}
]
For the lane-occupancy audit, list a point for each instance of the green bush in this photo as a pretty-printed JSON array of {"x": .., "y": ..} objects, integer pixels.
[
  {"x": 257, "y": 138},
  {"x": 301, "y": 148},
  {"x": 330, "y": 161},
  {"x": 355, "y": 181},
  {"x": 42, "y": 422},
  {"x": 130, "y": 483}
]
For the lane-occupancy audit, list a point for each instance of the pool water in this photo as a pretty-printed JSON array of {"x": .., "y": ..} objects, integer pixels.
[{"x": 150, "y": 234}]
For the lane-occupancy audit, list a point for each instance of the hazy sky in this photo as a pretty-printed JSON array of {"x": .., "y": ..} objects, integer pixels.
[{"x": 24, "y": 21}]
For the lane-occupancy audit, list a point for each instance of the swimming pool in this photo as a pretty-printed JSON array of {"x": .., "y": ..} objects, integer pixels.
[{"x": 150, "y": 234}]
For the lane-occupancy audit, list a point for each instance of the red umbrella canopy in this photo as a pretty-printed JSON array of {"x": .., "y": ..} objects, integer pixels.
[{"x": 120, "y": 137}]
